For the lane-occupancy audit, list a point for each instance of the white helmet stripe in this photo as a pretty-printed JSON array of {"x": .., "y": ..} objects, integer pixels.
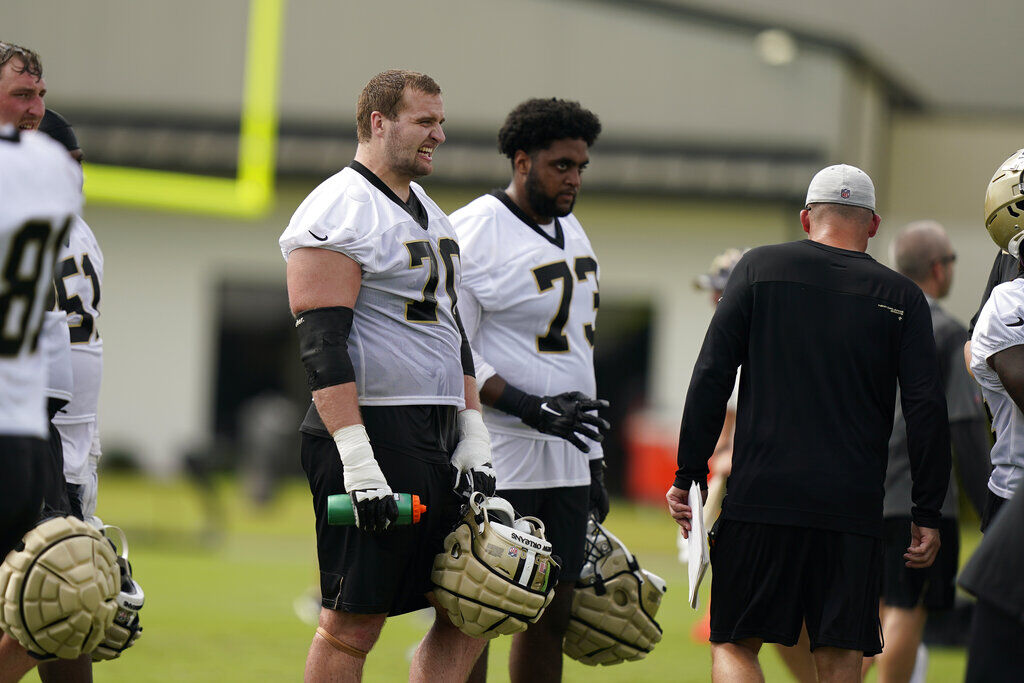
[{"x": 526, "y": 568}]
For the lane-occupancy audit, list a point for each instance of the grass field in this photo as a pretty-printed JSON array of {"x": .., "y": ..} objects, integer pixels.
[{"x": 220, "y": 600}]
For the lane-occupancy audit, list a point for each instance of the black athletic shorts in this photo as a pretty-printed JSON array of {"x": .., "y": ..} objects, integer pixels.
[
  {"x": 564, "y": 511},
  {"x": 22, "y": 464},
  {"x": 386, "y": 573},
  {"x": 933, "y": 587},
  {"x": 767, "y": 580}
]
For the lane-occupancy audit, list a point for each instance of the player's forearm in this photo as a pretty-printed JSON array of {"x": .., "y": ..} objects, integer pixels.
[
  {"x": 491, "y": 390},
  {"x": 471, "y": 395},
  {"x": 338, "y": 406}
]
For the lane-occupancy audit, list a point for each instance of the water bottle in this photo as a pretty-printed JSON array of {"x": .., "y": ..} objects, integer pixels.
[{"x": 340, "y": 512}]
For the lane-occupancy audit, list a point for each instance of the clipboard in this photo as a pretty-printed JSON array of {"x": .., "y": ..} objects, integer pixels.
[{"x": 698, "y": 553}]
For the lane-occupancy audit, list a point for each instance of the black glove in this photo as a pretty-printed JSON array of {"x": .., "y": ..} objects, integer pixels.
[
  {"x": 599, "y": 504},
  {"x": 565, "y": 415},
  {"x": 477, "y": 479},
  {"x": 374, "y": 509}
]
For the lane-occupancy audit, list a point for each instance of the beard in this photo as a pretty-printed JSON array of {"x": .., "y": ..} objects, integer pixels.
[
  {"x": 402, "y": 160},
  {"x": 540, "y": 203}
]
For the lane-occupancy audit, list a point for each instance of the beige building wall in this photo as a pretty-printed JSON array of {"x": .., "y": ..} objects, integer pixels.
[
  {"x": 648, "y": 77},
  {"x": 939, "y": 167}
]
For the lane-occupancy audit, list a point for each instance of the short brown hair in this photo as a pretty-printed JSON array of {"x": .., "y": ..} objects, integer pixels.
[
  {"x": 384, "y": 94},
  {"x": 30, "y": 62}
]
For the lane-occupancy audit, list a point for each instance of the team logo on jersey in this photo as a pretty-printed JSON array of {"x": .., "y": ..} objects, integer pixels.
[
  {"x": 895, "y": 311},
  {"x": 844, "y": 193},
  {"x": 513, "y": 552}
]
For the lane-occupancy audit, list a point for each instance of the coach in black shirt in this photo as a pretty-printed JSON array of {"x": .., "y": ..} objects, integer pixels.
[{"x": 823, "y": 333}]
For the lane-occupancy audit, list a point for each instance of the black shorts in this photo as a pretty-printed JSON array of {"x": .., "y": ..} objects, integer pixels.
[
  {"x": 386, "y": 573},
  {"x": 767, "y": 580},
  {"x": 564, "y": 511},
  {"x": 22, "y": 462},
  {"x": 933, "y": 587}
]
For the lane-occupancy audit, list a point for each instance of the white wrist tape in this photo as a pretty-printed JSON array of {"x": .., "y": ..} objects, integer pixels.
[
  {"x": 360, "y": 467},
  {"x": 474, "y": 447}
]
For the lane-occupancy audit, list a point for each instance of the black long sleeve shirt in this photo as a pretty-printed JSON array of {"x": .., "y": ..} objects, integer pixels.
[{"x": 823, "y": 335}]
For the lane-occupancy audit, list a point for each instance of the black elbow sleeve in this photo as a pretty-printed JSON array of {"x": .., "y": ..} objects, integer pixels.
[
  {"x": 468, "y": 368},
  {"x": 323, "y": 346}
]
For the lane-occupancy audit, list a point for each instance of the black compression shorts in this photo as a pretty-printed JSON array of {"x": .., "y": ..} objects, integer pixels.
[
  {"x": 564, "y": 511},
  {"x": 933, "y": 587},
  {"x": 386, "y": 573},
  {"x": 767, "y": 580}
]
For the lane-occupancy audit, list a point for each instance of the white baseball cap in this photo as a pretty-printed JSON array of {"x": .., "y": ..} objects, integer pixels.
[{"x": 842, "y": 184}]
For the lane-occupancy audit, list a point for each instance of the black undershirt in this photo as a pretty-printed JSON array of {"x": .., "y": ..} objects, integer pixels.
[
  {"x": 822, "y": 335},
  {"x": 1004, "y": 269}
]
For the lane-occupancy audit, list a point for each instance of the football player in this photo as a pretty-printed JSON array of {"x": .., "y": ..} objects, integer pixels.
[
  {"x": 529, "y": 301},
  {"x": 997, "y": 361},
  {"x": 373, "y": 270},
  {"x": 78, "y": 280},
  {"x": 40, "y": 192},
  {"x": 997, "y": 345}
]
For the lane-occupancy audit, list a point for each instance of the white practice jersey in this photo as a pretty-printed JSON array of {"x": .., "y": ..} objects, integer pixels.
[
  {"x": 1000, "y": 326},
  {"x": 40, "y": 190},
  {"x": 78, "y": 278},
  {"x": 405, "y": 344},
  {"x": 529, "y": 303}
]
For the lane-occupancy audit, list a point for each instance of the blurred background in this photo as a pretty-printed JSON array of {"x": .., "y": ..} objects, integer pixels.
[{"x": 206, "y": 123}]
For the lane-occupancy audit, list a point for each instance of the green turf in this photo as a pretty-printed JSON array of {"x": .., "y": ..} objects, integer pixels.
[{"x": 219, "y": 598}]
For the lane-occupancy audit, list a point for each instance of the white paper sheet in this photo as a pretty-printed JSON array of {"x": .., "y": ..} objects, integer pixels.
[{"x": 699, "y": 555}]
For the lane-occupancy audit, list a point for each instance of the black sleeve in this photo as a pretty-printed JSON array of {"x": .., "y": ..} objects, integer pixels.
[
  {"x": 466, "y": 351},
  {"x": 713, "y": 379},
  {"x": 971, "y": 443},
  {"x": 968, "y": 426},
  {"x": 924, "y": 407},
  {"x": 1004, "y": 269}
]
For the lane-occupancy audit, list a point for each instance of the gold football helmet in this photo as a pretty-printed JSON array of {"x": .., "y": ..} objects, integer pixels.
[
  {"x": 614, "y": 604},
  {"x": 1004, "y": 204},
  {"x": 496, "y": 574}
]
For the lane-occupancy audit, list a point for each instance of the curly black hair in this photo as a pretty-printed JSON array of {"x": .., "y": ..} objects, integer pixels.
[{"x": 536, "y": 123}]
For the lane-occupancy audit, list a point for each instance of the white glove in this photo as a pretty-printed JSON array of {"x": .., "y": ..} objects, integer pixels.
[
  {"x": 372, "y": 502},
  {"x": 472, "y": 457}
]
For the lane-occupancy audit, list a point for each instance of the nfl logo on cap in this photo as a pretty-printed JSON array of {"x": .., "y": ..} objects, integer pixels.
[{"x": 841, "y": 184}]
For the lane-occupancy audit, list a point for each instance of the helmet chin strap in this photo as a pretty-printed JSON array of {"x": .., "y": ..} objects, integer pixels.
[{"x": 1013, "y": 246}]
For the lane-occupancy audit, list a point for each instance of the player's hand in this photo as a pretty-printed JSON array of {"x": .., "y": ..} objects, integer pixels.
[
  {"x": 599, "y": 504},
  {"x": 472, "y": 457},
  {"x": 373, "y": 503},
  {"x": 567, "y": 415},
  {"x": 374, "y": 509},
  {"x": 679, "y": 508},
  {"x": 924, "y": 546}
]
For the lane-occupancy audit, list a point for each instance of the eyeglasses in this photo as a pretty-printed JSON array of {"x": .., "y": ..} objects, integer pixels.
[{"x": 951, "y": 258}]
